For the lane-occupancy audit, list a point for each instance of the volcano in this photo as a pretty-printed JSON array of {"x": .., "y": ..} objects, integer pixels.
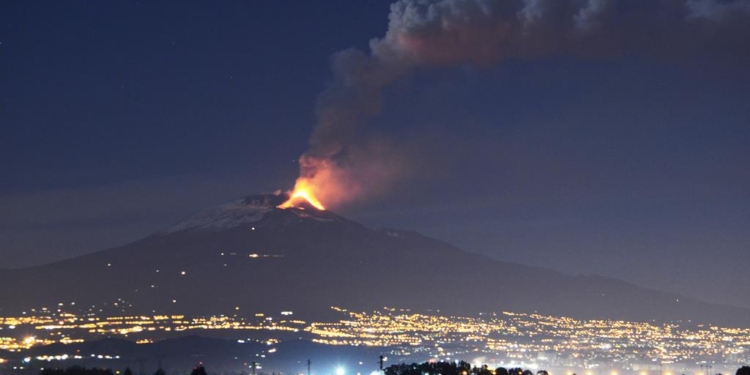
[{"x": 251, "y": 256}]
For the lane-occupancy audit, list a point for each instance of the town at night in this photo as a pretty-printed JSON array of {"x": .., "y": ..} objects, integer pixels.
[{"x": 374, "y": 187}]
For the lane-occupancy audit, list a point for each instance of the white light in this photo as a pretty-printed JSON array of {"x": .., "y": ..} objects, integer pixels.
[{"x": 340, "y": 371}]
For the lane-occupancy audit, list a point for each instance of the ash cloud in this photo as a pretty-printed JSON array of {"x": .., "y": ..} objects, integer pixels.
[{"x": 452, "y": 33}]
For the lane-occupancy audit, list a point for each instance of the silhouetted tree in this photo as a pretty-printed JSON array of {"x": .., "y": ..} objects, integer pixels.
[
  {"x": 451, "y": 368},
  {"x": 744, "y": 370},
  {"x": 484, "y": 370},
  {"x": 542, "y": 372},
  {"x": 464, "y": 367},
  {"x": 127, "y": 371},
  {"x": 160, "y": 371},
  {"x": 199, "y": 370}
]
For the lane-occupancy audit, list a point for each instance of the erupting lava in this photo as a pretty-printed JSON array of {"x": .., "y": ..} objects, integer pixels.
[{"x": 302, "y": 192}]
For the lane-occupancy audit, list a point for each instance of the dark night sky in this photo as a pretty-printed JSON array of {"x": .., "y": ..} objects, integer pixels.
[{"x": 118, "y": 119}]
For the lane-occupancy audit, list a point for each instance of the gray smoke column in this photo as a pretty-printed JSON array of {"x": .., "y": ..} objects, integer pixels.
[{"x": 342, "y": 165}]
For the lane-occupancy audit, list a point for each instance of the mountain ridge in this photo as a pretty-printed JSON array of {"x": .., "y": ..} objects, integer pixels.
[{"x": 307, "y": 260}]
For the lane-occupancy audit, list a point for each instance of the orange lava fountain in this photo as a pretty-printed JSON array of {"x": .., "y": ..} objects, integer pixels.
[{"x": 302, "y": 193}]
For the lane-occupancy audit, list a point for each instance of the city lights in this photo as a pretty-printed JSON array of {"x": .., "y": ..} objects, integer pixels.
[{"x": 529, "y": 340}]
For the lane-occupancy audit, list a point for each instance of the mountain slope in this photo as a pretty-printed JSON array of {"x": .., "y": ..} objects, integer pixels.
[{"x": 255, "y": 257}]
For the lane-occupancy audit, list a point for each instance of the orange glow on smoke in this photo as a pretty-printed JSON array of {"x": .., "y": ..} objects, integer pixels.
[{"x": 302, "y": 193}]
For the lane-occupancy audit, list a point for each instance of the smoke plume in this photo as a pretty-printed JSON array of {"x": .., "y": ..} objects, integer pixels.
[{"x": 343, "y": 165}]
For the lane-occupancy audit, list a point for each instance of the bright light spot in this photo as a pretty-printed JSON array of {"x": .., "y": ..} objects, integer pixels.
[
  {"x": 27, "y": 359},
  {"x": 182, "y": 273},
  {"x": 340, "y": 371},
  {"x": 174, "y": 301},
  {"x": 302, "y": 192}
]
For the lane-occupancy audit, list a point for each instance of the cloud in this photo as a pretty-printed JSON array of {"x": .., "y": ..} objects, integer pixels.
[{"x": 450, "y": 33}]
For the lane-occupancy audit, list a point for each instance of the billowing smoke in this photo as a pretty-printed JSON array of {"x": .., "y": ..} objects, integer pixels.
[{"x": 343, "y": 164}]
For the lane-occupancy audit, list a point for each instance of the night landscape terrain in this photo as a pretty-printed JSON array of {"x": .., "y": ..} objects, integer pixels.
[
  {"x": 258, "y": 258},
  {"x": 375, "y": 187}
]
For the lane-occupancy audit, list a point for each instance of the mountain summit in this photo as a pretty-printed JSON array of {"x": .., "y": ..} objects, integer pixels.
[
  {"x": 251, "y": 256},
  {"x": 251, "y": 209}
]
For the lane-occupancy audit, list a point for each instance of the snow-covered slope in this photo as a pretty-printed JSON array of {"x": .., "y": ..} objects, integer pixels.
[
  {"x": 248, "y": 254},
  {"x": 231, "y": 215}
]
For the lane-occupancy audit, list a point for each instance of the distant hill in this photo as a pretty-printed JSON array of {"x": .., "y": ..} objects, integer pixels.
[{"x": 258, "y": 258}]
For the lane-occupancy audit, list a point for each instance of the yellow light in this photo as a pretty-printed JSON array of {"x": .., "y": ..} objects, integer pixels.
[{"x": 302, "y": 192}]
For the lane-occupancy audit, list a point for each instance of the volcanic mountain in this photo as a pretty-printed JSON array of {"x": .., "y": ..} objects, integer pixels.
[{"x": 252, "y": 256}]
